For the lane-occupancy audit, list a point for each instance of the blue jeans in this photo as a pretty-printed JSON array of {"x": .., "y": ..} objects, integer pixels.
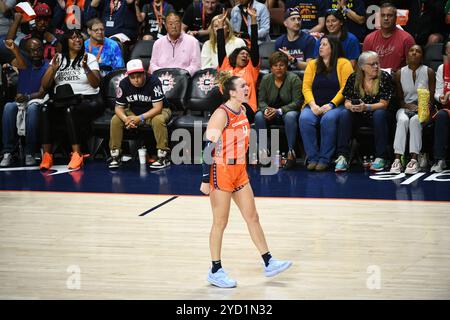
[
  {"x": 309, "y": 123},
  {"x": 290, "y": 125},
  {"x": 10, "y": 129},
  {"x": 349, "y": 120},
  {"x": 441, "y": 124}
]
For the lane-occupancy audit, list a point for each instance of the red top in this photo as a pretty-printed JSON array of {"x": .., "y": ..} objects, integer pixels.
[{"x": 393, "y": 50}]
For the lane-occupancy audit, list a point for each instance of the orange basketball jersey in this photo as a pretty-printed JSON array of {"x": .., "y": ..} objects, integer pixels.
[{"x": 233, "y": 143}]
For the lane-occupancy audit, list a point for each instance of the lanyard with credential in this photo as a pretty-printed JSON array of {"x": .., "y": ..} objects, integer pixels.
[
  {"x": 203, "y": 15},
  {"x": 158, "y": 17},
  {"x": 112, "y": 5},
  {"x": 99, "y": 51}
]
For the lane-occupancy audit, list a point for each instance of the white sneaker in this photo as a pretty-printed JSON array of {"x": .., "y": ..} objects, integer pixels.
[
  {"x": 439, "y": 166},
  {"x": 115, "y": 159},
  {"x": 29, "y": 160},
  {"x": 276, "y": 266},
  {"x": 396, "y": 166},
  {"x": 412, "y": 167},
  {"x": 7, "y": 160},
  {"x": 162, "y": 161}
]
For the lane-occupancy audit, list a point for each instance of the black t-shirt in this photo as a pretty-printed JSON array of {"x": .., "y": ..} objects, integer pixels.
[
  {"x": 140, "y": 100},
  {"x": 195, "y": 21}
]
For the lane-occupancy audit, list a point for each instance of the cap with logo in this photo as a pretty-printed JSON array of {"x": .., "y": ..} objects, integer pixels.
[{"x": 135, "y": 65}]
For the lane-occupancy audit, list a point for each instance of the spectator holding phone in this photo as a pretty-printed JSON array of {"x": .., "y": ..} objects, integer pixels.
[{"x": 367, "y": 94}]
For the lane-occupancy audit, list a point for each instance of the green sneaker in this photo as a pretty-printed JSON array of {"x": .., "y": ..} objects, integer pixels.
[{"x": 378, "y": 164}]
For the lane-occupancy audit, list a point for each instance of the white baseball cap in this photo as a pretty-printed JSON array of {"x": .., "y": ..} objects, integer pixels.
[{"x": 135, "y": 65}]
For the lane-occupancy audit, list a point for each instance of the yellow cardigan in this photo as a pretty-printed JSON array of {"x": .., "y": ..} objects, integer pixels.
[{"x": 344, "y": 70}]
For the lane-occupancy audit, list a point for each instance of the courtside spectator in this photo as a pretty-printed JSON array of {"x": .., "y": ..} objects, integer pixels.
[
  {"x": 334, "y": 25},
  {"x": 22, "y": 115},
  {"x": 78, "y": 71},
  {"x": 242, "y": 62},
  {"x": 176, "y": 49},
  {"x": 140, "y": 101},
  {"x": 152, "y": 16},
  {"x": 279, "y": 102},
  {"x": 209, "y": 48},
  {"x": 411, "y": 77},
  {"x": 106, "y": 51},
  {"x": 367, "y": 93},
  {"x": 42, "y": 30},
  {"x": 354, "y": 13},
  {"x": 323, "y": 82},
  {"x": 198, "y": 16},
  {"x": 311, "y": 11},
  {"x": 296, "y": 44},
  {"x": 118, "y": 16},
  {"x": 390, "y": 43}
]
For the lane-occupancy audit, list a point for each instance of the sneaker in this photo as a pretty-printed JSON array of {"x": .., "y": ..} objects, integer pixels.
[
  {"x": 312, "y": 166},
  {"x": 162, "y": 161},
  {"x": 29, "y": 160},
  {"x": 412, "y": 167},
  {"x": 396, "y": 166},
  {"x": 322, "y": 167},
  {"x": 341, "y": 164},
  {"x": 76, "y": 160},
  {"x": 7, "y": 160},
  {"x": 438, "y": 166},
  {"x": 47, "y": 161},
  {"x": 220, "y": 279},
  {"x": 276, "y": 266},
  {"x": 378, "y": 164},
  {"x": 116, "y": 159},
  {"x": 290, "y": 161}
]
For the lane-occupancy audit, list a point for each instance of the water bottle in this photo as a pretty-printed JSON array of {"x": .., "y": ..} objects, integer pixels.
[
  {"x": 278, "y": 159},
  {"x": 366, "y": 163},
  {"x": 253, "y": 159}
]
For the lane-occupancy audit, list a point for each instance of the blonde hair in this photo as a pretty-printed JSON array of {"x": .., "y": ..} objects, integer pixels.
[
  {"x": 359, "y": 77},
  {"x": 213, "y": 35}
]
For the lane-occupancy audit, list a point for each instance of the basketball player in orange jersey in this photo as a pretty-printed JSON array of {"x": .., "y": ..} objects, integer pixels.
[{"x": 225, "y": 178}]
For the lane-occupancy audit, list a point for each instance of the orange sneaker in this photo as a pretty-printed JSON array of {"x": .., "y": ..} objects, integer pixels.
[
  {"x": 76, "y": 160},
  {"x": 47, "y": 161}
]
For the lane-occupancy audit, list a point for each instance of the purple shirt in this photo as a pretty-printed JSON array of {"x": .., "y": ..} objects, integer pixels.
[{"x": 183, "y": 53}]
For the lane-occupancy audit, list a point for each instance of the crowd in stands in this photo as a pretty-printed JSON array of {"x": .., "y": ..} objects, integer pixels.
[{"x": 336, "y": 66}]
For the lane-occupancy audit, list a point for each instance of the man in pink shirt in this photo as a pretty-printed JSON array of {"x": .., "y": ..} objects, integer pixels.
[
  {"x": 176, "y": 49},
  {"x": 390, "y": 43}
]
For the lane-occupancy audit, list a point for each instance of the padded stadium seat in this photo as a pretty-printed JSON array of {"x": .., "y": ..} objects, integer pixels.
[
  {"x": 203, "y": 98},
  {"x": 100, "y": 126},
  {"x": 143, "y": 50},
  {"x": 265, "y": 51},
  {"x": 433, "y": 55},
  {"x": 175, "y": 83}
]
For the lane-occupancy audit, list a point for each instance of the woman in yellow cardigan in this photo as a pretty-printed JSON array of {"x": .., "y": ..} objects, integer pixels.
[{"x": 323, "y": 82}]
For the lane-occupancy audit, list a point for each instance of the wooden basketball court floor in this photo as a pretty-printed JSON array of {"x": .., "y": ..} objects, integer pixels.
[
  {"x": 84, "y": 245},
  {"x": 141, "y": 234}
]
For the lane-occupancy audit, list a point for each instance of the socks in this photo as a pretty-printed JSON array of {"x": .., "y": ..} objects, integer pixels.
[
  {"x": 216, "y": 265},
  {"x": 266, "y": 257}
]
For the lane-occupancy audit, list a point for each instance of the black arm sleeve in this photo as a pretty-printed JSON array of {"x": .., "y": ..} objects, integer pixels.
[
  {"x": 254, "y": 50},
  {"x": 221, "y": 53},
  {"x": 207, "y": 156}
]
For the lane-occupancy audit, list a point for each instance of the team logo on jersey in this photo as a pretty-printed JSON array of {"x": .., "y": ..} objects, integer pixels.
[
  {"x": 167, "y": 81},
  {"x": 206, "y": 82},
  {"x": 157, "y": 92}
]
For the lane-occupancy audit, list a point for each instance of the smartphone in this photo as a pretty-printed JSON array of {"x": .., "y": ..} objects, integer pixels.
[{"x": 356, "y": 101}]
